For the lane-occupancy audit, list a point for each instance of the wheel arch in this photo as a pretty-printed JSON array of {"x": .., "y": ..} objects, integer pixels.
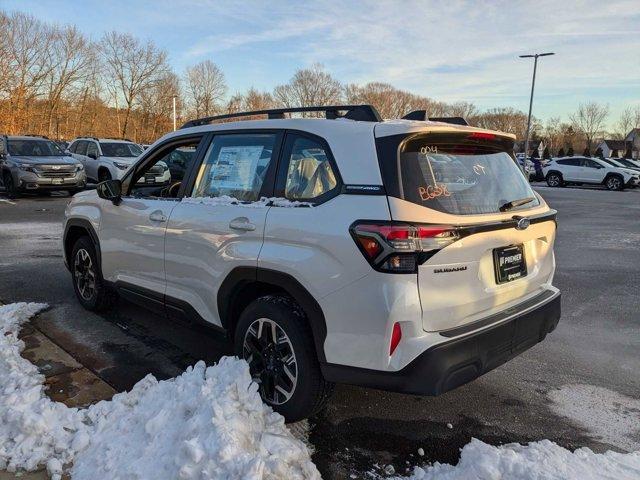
[
  {"x": 557, "y": 172},
  {"x": 613, "y": 174},
  {"x": 245, "y": 284},
  {"x": 73, "y": 230}
]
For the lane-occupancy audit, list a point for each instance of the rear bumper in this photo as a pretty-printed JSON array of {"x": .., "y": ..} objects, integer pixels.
[{"x": 460, "y": 360}]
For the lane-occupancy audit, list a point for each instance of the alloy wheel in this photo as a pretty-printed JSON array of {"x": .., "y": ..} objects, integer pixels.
[
  {"x": 272, "y": 361},
  {"x": 84, "y": 274},
  {"x": 553, "y": 180},
  {"x": 613, "y": 183}
]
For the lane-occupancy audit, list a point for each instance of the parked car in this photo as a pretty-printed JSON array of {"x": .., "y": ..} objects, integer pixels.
[
  {"x": 629, "y": 163},
  {"x": 410, "y": 256},
  {"x": 621, "y": 163},
  {"x": 104, "y": 158},
  {"x": 586, "y": 170},
  {"x": 36, "y": 164}
]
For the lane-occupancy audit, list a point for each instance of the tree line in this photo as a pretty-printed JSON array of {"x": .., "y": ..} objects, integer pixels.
[{"x": 55, "y": 81}]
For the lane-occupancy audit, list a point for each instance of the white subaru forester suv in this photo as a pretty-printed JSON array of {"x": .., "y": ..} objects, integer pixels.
[{"x": 406, "y": 255}]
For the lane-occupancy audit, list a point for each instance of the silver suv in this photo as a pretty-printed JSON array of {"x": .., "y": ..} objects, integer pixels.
[
  {"x": 36, "y": 164},
  {"x": 105, "y": 158}
]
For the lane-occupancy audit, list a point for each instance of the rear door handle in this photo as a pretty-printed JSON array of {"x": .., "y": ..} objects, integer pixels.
[
  {"x": 157, "y": 216},
  {"x": 242, "y": 223}
]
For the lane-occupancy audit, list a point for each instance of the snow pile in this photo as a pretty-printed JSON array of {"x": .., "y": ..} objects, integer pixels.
[
  {"x": 33, "y": 429},
  {"x": 207, "y": 423},
  {"x": 263, "y": 202},
  {"x": 537, "y": 461}
]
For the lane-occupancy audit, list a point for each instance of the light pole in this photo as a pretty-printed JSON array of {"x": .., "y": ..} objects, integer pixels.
[
  {"x": 533, "y": 85},
  {"x": 174, "y": 113}
]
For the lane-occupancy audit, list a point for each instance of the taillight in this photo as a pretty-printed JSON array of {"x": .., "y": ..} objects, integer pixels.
[
  {"x": 396, "y": 336},
  {"x": 400, "y": 247}
]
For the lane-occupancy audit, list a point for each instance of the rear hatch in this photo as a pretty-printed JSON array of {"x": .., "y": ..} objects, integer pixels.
[{"x": 494, "y": 235}]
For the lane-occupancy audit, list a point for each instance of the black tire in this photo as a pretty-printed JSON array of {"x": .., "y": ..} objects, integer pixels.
[
  {"x": 614, "y": 182},
  {"x": 104, "y": 175},
  {"x": 309, "y": 393},
  {"x": 554, "y": 179},
  {"x": 9, "y": 186},
  {"x": 72, "y": 192},
  {"x": 84, "y": 271}
]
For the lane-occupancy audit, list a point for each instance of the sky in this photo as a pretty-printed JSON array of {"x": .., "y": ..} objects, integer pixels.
[{"x": 447, "y": 50}]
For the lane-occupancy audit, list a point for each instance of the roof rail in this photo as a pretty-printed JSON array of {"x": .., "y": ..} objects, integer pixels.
[
  {"x": 363, "y": 113},
  {"x": 34, "y": 135},
  {"x": 422, "y": 116}
]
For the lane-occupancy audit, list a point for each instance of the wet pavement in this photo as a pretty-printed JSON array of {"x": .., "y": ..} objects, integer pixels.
[{"x": 596, "y": 345}]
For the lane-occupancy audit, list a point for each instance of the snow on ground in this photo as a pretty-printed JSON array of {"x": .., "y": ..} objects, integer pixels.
[
  {"x": 610, "y": 416},
  {"x": 538, "y": 461},
  {"x": 207, "y": 423}
]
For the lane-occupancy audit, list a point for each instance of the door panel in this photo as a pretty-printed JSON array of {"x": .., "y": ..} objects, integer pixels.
[
  {"x": 202, "y": 248},
  {"x": 132, "y": 241},
  {"x": 223, "y": 226}
]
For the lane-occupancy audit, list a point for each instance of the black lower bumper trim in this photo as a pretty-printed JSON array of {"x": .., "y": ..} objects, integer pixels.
[{"x": 448, "y": 365}]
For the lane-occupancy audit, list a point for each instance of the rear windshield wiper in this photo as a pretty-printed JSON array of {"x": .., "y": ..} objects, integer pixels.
[{"x": 516, "y": 203}]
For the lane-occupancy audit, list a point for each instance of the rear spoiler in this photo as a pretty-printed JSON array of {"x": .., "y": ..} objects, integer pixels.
[{"x": 421, "y": 115}]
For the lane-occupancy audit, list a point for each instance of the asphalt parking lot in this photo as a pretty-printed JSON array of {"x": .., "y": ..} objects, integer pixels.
[{"x": 581, "y": 387}]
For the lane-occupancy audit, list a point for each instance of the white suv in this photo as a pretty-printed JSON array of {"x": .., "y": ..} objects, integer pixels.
[
  {"x": 579, "y": 170},
  {"x": 404, "y": 255},
  {"x": 104, "y": 158}
]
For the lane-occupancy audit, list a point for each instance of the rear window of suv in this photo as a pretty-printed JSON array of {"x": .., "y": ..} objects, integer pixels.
[{"x": 460, "y": 174}]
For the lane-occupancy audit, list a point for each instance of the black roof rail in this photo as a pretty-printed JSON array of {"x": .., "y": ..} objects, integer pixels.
[
  {"x": 422, "y": 116},
  {"x": 34, "y": 135},
  {"x": 363, "y": 113}
]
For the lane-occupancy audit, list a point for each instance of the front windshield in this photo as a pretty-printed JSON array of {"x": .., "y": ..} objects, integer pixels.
[
  {"x": 120, "y": 149},
  {"x": 33, "y": 148}
]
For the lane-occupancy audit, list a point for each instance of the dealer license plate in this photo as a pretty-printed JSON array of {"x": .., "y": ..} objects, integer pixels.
[{"x": 510, "y": 263}]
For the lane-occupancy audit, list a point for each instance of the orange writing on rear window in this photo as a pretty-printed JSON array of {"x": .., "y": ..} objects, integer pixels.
[{"x": 431, "y": 192}]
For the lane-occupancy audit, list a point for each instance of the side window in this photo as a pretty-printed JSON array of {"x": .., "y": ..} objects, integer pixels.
[
  {"x": 73, "y": 146},
  {"x": 589, "y": 163},
  {"x": 309, "y": 174},
  {"x": 155, "y": 179},
  {"x": 81, "y": 148},
  {"x": 92, "y": 149},
  {"x": 236, "y": 166}
]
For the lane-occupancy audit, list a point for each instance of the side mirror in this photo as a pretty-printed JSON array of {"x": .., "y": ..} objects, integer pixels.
[
  {"x": 3, "y": 151},
  {"x": 92, "y": 155},
  {"x": 110, "y": 190}
]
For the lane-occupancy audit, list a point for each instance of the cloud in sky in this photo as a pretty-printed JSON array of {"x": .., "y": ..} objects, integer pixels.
[{"x": 448, "y": 50}]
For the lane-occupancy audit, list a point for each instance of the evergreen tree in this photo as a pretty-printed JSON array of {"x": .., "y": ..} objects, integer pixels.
[
  {"x": 546, "y": 155},
  {"x": 535, "y": 153},
  {"x": 561, "y": 152},
  {"x": 586, "y": 153},
  {"x": 599, "y": 153},
  {"x": 570, "y": 152},
  {"x": 628, "y": 153}
]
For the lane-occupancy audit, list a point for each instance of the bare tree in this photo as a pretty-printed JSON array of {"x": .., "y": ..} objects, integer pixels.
[
  {"x": 629, "y": 119},
  {"x": 309, "y": 87},
  {"x": 156, "y": 106},
  {"x": 28, "y": 47},
  {"x": 503, "y": 119},
  {"x": 206, "y": 88},
  {"x": 71, "y": 59},
  {"x": 589, "y": 119},
  {"x": 131, "y": 68}
]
